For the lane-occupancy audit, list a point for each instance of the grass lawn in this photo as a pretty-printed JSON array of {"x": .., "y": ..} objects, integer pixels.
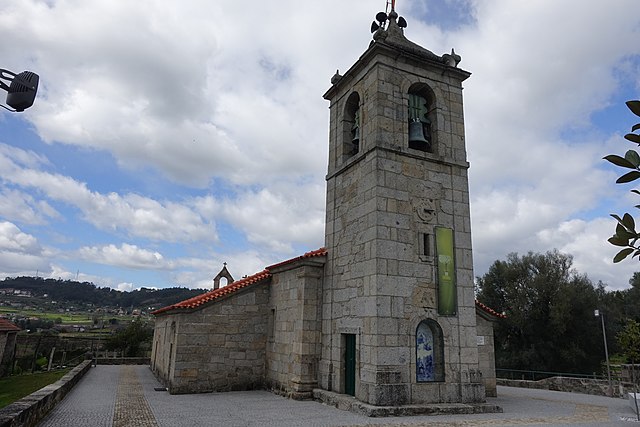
[{"x": 18, "y": 386}]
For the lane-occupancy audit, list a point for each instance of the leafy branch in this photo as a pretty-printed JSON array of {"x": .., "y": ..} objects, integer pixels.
[{"x": 626, "y": 235}]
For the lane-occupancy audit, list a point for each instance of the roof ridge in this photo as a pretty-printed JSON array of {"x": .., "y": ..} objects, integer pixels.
[
  {"x": 490, "y": 310},
  {"x": 311, "y": 254},
  {"x": 8, "y": 326},
  {"x": 213, "y": 294}
]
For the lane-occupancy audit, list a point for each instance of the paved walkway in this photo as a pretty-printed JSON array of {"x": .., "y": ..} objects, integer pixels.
[{"x": 124, "y": 396}]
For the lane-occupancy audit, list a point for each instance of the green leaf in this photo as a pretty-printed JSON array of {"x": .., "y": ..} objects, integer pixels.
[
  {"x": 616, "y": 217},
  {"x": 634, "y": 106},
  {"x": 632, "y": 137},
  {"x": 619, "y": 161},
  {"x": 632, "y": 157},
  {"x": 635, "y": 127},
  {"x": 635, "y": 191},
  {"x": 628, "y": 177},
  {"x": 622, "y": 233},
  {"x": 622, "y": 254},
  {"x": 618, "y": 241},
  {"x": 627, "y": 221}
]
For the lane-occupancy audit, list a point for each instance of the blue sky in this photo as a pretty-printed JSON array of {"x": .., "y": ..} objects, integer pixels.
[{"x": 169, "y": 138}]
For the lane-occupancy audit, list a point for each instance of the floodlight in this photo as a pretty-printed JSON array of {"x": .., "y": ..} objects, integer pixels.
[{"x": 21, "y": 92}]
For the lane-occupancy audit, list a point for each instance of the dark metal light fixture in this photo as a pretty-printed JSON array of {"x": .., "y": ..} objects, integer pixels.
[{"x": 21, "y": 91}]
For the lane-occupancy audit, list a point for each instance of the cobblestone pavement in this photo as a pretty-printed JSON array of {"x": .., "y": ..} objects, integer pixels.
[
  {"x": 90, "y": 403},
  {"x": 125, "y": 396},
  {"x": 131, "y": 409}
]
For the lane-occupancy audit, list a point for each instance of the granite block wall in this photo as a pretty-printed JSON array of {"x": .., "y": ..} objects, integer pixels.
[
  {"x": 293, "y": 344},
  {"x": 220, "y": 347},
  {"x": 486, "y": 355}
]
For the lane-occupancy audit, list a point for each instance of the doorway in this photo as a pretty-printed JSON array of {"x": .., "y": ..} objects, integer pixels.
[{"x": 350, "y": 364}]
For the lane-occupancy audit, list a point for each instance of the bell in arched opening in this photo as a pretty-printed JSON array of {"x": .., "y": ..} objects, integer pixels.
[
  {"x": 355, "y": 132},
  {"x": 417, "y": 138}
]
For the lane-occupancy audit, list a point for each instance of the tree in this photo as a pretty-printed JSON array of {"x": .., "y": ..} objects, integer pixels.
[
  {"x": 550, "y": 324},
  {"x": 629, "y": 340},
  {"x": 130, "y": 339},
  {"x": 626, "y": 235}
]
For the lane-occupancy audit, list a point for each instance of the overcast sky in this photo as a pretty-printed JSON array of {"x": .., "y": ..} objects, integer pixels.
[{"x": 170, "y": 137}]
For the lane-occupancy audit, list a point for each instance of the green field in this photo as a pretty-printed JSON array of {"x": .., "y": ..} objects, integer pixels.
[
  {"x": 18, "y": 386},
  {"x": 66, "y": 318}
]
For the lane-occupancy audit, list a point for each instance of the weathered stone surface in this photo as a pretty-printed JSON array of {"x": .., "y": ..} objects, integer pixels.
[
  {"x": 573, "y": 385},
  {"x": 352, "y": 404},
  {"x": 379, "y": 281},
  {"x": 232, "y": 336},
  {"x": 29, "y": 410}
]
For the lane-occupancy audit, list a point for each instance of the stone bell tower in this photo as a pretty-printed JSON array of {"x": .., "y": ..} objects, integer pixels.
[{"x": 398, "y": 312}]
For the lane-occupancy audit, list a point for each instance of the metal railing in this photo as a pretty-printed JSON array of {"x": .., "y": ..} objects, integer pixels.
[{"x": 520, "y": 374}]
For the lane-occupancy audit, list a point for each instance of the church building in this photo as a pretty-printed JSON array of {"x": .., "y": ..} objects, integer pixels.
[{"x": 385, "y": 312}]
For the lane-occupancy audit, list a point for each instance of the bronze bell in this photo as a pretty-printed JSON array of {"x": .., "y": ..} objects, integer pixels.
[
  {"x": 356, "y": 135},
  {"x": 416, "y": 132}
]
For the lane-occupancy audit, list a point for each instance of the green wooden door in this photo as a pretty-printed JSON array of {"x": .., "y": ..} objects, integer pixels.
[{"x": 350, "y": 364}]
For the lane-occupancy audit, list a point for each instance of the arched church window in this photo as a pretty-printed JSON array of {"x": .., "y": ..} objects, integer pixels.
[
  {"x": 352, "y": 135},
  {"x": 429, "y": 352},
  {"x": 421, "y": 112}
]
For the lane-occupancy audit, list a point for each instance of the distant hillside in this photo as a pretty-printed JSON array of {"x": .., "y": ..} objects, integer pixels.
[{"x": 88, "y": 293}]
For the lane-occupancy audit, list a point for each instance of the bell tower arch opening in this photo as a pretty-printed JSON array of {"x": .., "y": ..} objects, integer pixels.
[
  {"x": 422, "y": 118},
  {"x": 351, "y": 127}
]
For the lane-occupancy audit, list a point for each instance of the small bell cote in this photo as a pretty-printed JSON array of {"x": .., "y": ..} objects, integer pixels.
[{"x": 224, "y": 273}]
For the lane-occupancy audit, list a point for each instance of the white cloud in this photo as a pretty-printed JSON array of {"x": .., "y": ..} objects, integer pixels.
[
  {"x": 14, "y": 240},
  {"x": 125, "y": 287},
  {"x": 20, "y": 253},
  {"x": 587, "y": 242},
  {"x": 276, "y": 218},
  {"x": 226, "y": 99},
  {"x": 127, "y": 256},
  {"x": 188, "y": 99},
  {"x": 19, "y": 206},
  {"x": 11, "y": 156},
  {"x": 203, "y": 270},
  {"x": 134, "y": 214},
  {"x": 535, "y": 160}
]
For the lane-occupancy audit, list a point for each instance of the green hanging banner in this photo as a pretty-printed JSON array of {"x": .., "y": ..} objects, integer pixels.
[{"x": 446, "y": 272}]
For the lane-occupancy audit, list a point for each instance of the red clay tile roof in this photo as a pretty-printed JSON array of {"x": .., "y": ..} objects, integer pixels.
[
  {"x": 489, "y": 310},
  {"x": 6, "y": 326},
  {"x": 198, "y": 300},
  {"x": 217, "y": 293},
  {"x": 316, "y": 253}
]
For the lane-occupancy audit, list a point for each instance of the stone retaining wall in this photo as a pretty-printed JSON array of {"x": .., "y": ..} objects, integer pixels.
[
  {"x": 123, "y": 361},
  {"x": 28, "y": 411},
  {"x": 572, "y": 385}
]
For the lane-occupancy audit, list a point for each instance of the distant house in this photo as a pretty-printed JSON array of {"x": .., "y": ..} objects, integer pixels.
[
  {"x": 22, "y": 293},
  {"x": 8, "y": 332}
]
